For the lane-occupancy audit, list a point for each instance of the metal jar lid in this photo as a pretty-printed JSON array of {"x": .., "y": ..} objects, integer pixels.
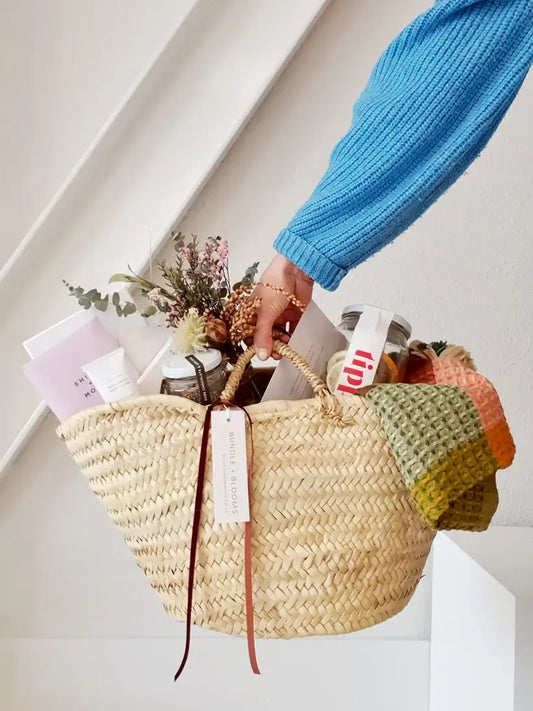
[
  {"x": 176, "y": 366},
  {"x": 357, "y": 310}
]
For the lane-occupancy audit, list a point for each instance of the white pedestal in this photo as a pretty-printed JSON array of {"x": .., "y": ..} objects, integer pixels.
[{"x": 482, "y": 621}]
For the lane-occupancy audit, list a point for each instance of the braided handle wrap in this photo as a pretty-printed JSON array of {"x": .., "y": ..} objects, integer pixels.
[{"x": 318, "y": 385}]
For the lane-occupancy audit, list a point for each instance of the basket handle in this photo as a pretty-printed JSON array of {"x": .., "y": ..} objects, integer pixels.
[{"x": 318, "y": 385}]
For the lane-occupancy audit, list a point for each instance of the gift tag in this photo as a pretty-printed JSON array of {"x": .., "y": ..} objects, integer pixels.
[{"x": 230, "y": 466}]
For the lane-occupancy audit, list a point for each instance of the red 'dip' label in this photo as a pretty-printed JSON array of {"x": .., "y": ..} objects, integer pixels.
[
  {"x": 353, "y": 373},
  {"x": 364, "y": 351}
]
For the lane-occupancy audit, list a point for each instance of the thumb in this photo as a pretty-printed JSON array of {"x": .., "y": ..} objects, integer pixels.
[
  {"x": 267, "y": 314},
  {"x": 263, "y": 333}
]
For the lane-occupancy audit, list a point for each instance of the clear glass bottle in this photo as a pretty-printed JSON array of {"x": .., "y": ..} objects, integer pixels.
[
  {"x": 199, "y": 376},
  {"x": 393, "y": 362}
]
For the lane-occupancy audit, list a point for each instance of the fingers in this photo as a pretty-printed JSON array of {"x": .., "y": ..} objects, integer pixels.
[
  {"x": 272, "y": 307},
  {"x": 263, "y": 332}
]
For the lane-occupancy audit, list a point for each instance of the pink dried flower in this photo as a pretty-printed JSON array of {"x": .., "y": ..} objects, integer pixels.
[
  {"x": 175, "y": 314},
  {"x": 223, "y": 250}
]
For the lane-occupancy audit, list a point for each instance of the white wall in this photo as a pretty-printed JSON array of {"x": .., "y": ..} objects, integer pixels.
[
  {"x": 472, "y": 635},
  {"x": 136, "y": 675},
  {"x": 524, "y": 654},
  {"x": 482, "y": 609},
  {"x": 65, "y": 66}
]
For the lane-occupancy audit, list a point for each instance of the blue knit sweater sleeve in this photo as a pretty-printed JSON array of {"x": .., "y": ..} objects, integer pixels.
[{"x": 433, "y": 100}]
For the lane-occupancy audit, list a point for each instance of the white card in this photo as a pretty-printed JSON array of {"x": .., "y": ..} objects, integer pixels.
[
  {"x": 316, "y": 339},
  {"x": 230, "y": 466},
  {"x": 140, "y": 337},
  {"x": 43, "y": 341},
  {"x": 365, "y": 349}
]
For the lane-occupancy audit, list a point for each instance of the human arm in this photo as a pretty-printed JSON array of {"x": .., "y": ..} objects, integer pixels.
[{"x": 434, "y": 99}]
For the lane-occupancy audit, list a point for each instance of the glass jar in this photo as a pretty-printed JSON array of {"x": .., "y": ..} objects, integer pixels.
[
  {"x": 393, "y": 362},
  {"x": 199, "y": 376}
]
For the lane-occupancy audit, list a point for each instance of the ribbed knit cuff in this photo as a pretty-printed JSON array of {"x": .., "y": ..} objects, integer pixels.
[{"x": 319, "y": 267}]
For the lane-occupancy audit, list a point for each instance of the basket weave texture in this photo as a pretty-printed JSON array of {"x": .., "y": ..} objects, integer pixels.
[{"x": 337, "y": 542}]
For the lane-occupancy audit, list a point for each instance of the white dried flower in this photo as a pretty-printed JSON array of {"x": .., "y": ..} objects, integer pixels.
[{"x": 190, "y": 334}]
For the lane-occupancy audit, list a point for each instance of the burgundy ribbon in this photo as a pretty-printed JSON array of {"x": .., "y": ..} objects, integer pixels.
[{"x": 194, "y": 545}]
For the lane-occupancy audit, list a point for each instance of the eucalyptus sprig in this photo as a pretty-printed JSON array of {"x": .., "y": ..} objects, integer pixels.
[
  {"x": 93, "y": 297},
  {"x": 249, "y": 276}
]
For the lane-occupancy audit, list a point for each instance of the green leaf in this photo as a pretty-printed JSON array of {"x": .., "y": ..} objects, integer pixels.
[
  {"x": 92, "y": 294},
  {"x": 124, "y": 277},
  {"x": 149, "y": 311},
  {"x": 77, "y": 292},
  {"x": 252, "y": 271},
  {"x": 133, "y": 279},
  {"x": 438, "y": 346},
  {"x": 178, "y": 237},
  {"x": 129, "y": 308},
  {"x": 116, "y": 298},
  {"x": 85, "y": 303},
  {"x": 102, "y": 304},
  {"x": 249, "y": 275},
  {"x": 118, "y": 309}
]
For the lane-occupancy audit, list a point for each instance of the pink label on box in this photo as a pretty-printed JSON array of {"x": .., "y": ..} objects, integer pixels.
[{"x": 57, "y": 373}]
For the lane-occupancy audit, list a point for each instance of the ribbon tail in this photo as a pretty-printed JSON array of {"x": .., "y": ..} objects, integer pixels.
[
  {"x": 194, "y": 537},
  {"x": 194, "y": 545},
  {"x": 250, "y": 633},
  {"x": 248, "y": 587}
]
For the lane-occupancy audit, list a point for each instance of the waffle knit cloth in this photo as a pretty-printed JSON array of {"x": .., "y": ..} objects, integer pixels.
[
  {"x": 449, "y": 436},
  {"x": 433, "y": 100}
]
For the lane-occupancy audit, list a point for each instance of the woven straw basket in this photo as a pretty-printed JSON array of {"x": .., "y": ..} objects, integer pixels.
[{"x": 337, "y": 543}]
